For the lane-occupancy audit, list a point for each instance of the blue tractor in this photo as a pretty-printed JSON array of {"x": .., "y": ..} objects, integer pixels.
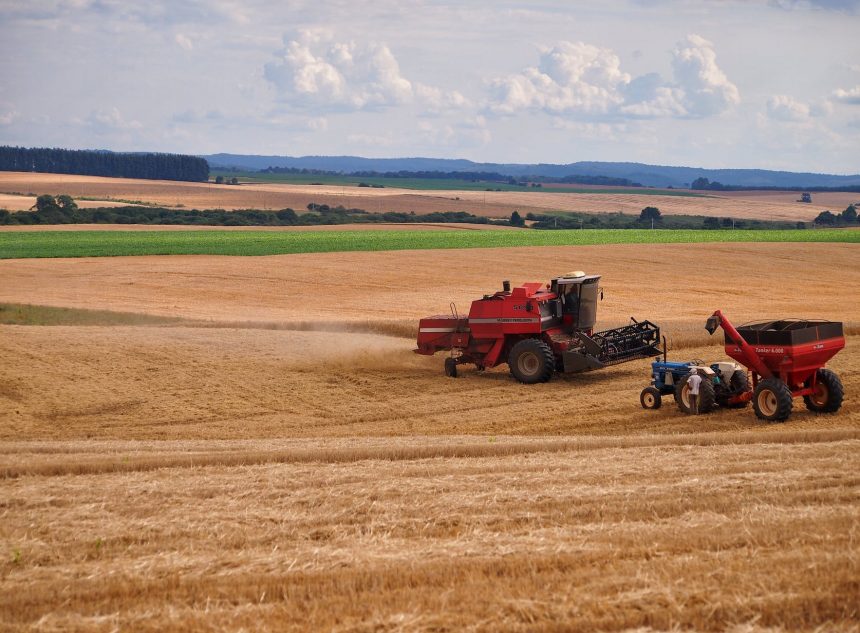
[{"x": 723, "y": 384}]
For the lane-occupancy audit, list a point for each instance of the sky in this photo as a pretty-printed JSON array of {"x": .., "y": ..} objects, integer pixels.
[{"x": 772, "y": 84}]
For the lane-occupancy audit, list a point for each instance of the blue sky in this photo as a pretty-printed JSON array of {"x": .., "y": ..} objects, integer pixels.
[{"x": 769, "y": 84}]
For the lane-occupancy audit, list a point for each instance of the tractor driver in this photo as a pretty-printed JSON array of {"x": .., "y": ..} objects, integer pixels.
[{"x": 693, "y": 382}]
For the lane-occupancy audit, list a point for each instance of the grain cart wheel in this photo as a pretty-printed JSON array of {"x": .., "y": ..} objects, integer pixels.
[
  {"x": 828, "y": 394},
  {"x": 739, "y": 383},
  {"x": 707, "y": 398},
  {"x": 650, "y": 398},
  {"x": 451, "y": 367},
  {"x": 531, "y": 360},
  {"x": 772, "y": 400}
]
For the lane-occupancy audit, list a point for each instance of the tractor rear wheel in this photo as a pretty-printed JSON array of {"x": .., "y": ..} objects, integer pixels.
[
  {"x": 739, "y": 383},
  {"x": 531, "y": 361},
  {"x": 772, "y": 400},
  {"x": 650, "y": 398},
  {"x": 706, "y": 399},
  {"x": 828, "y": 393}
]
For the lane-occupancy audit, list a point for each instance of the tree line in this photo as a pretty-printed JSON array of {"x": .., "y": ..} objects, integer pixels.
[
  {"x": 63, "y": 210},
  {"x": 846, "y": 218},
  {"x": 471, "y": 176},
  {"x": 104, "y": 163},
  {"x": 703, "y": 184}
]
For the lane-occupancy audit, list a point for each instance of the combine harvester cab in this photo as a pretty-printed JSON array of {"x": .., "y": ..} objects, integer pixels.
[
  {"x": 537, "y": 330},
  {"x": 786, "y": 358}
]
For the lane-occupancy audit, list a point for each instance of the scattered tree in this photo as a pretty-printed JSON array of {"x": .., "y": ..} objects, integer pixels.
[
  {"x": 219, "y": 180},
  {"x": 850, "y": 214},
  {"x": 66, "y": 202},
  {"x": 650, "y": 213},
  {"x": 825, "y": 217},
  {"x": 45, "y": 202},
  {"x": 516, "y": 219}
]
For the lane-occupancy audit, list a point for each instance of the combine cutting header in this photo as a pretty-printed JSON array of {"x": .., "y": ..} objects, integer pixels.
[{"x": 537, "y": 330}]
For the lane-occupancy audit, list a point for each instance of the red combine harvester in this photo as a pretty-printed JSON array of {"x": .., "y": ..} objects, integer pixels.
[
  {"x": 537, "y": 330},
  {"x": 787, "y": 361}
]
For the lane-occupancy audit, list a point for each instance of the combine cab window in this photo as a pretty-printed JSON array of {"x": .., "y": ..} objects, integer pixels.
[
  {"x": 588, "y": 306},
  {"x": 579, "y": 300}
]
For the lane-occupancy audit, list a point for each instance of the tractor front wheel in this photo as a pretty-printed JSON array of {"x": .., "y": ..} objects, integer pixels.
[
  {"x": 772, "y": 400},
  {"x": 650, "y": 398},
  {"x": 705, "y": 402},
  {"x": 828, "y": 393},
  {"x": 531, "y": 361}
]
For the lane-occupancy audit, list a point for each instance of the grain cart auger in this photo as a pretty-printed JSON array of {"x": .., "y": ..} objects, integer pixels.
[
  {"x": 537, "y": 330},
  {"x": 787, "y": 359}
]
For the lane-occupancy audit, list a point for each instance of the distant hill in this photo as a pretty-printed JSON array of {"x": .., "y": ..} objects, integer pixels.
[{"x": 648, "y": 175}]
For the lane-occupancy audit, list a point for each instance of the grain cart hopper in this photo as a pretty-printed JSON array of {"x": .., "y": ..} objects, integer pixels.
[
  {"x": 787, "y": 360},
  {"x": 537, "y": 330}
]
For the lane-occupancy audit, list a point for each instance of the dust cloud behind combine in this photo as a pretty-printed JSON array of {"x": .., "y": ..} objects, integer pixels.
[{"x": 276, "y": 457}]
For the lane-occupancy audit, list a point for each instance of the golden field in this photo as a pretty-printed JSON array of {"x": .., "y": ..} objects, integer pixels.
[
  {"x": 273, "y": 456},
  {"x": 756, "y": 205}
]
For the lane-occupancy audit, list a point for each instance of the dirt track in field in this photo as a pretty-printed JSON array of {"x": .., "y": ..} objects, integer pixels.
[
  {"x": 283, "y": 461},
  {"x": 119, "y": 191}
]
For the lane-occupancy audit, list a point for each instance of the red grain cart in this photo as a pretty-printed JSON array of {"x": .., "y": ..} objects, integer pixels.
[{"x": 787, "y": 359}]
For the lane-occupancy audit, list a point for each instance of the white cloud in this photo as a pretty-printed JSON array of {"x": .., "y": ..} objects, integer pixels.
[
  {"x": 7, "y": 118},
  {"x": 316, "y": 70},
  {"x": 576, "y": 78},
  {"x": 851, "y": 96},
  {"x": 183, "y": 41},
  {"x": 706, "y": 89},
  {"x": 785, "y": 108},
  {"x": 572, "y": 77},
  {"x": 823, "y": 107},
  {"x": 111, "y": 119},
  {"x": 318, "y": 124}
]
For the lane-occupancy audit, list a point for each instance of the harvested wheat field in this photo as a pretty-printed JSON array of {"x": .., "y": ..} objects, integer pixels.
[
  {"x": 250, "y": 444},
  {"x": 122, "y": 191}
]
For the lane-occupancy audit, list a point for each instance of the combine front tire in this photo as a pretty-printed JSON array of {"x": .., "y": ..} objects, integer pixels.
[
  {"x": 772, "y": 400},
  {"x": 705, "y": 402},
  {"x": 650, "y": 398},
  {"x": 531, "y": 360},
  {"x": 828, "y": 393}
]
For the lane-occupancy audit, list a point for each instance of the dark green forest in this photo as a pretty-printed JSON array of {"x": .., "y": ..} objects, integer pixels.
[{"x": 104, "y": 163}]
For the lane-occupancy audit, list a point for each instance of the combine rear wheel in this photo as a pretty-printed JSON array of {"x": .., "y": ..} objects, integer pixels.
[
  {"x": 706, "y": 398},
  {"x": 531, "y": 360},
  {"x": 828, "y": 393},
  {"x": 650, "y": 398},
  {"x": 772, "y": 400}
]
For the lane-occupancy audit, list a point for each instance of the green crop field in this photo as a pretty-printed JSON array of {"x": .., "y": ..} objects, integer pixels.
[
  {"x": 442, "y": 184},
  {"x": 123, "y": 243}
]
